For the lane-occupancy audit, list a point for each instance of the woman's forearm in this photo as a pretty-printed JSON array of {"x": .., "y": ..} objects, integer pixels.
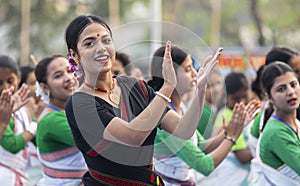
[
  {"x": 214, "y": 142},
  {"x": 2, "y": 128},
  {"x": 189, "y": 121},
  {"x": 137, "y": 130},
  {"x": 220, "y": 153}
]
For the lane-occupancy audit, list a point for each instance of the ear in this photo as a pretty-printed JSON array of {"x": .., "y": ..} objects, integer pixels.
[
  {"x": 268, "y": 97},
  {"x": 44, "y": 87}
]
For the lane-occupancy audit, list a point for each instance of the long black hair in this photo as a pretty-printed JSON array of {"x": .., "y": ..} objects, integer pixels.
[
  {"x": 178, "y": 56},
  {"x": 269, "y": 74}
]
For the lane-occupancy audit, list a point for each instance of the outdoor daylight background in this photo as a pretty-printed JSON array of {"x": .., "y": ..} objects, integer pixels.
[{"x": 246, "y": 29}]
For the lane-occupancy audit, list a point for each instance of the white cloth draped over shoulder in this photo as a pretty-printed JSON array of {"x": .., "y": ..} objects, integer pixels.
[{"x": 267, "y": 175}]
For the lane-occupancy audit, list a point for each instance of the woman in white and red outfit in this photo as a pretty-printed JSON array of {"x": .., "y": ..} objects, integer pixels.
[{"x": 20, "y": 130}]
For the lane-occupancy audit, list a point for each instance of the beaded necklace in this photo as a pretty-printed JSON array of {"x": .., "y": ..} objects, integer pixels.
[{"x": 112, "y": 97}]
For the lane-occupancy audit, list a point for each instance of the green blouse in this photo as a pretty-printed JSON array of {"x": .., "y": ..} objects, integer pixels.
[
  {"x": 186, "y": 150},
  {"x": 54, "y": 133},
  {"x": 279, "y": 145}
]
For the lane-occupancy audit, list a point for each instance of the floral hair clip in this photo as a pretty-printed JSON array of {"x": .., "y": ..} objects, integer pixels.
[
  {"x": 39, "y": 91},
  {"x": 75, "y": 68}
]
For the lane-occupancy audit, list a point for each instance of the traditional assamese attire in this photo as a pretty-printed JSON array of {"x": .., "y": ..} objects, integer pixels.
[
  {"x": 279, "y": 148},
  {"x": 62, "y": 162},
  {"x": 14, "y": 155},
  {"x": 111, "y": 163}
]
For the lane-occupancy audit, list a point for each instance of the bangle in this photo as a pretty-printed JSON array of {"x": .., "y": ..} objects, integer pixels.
[
  {"x": 166, "y": 99},
  {"x": 163, "y": 96},
  {"x": 229, "y": 138}
]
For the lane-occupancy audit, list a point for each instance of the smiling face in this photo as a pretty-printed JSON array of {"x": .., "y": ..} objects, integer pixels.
[
  {"x": 96, "y": 50},
  {"x": 8, "y": 78},
  {"x": 285, "y": 93},
  {"x": 60, "y": 82},
  {"x": 186, "y": 76}
]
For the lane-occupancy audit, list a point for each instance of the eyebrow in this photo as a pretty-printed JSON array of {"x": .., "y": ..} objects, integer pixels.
[
  {"x": 94, "y": 37},
  {"x": 56, "y": 72}
]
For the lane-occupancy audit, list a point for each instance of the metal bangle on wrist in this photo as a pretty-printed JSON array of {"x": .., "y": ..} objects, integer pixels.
[{"x": 229, "y": 138}]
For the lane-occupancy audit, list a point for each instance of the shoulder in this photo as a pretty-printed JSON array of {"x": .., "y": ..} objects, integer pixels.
[
  {"x": 52, "y": 119},
  {"x": 275, "y": 131}
]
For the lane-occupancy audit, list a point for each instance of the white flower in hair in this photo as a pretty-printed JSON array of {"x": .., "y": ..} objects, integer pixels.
[{"x": 41, "y": 92}]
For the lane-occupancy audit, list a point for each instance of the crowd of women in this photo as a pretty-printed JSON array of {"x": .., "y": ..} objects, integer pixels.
[{"x": 85, "y": 120}]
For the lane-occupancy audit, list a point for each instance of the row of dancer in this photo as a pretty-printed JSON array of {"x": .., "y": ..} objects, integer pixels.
[
  {"x": 56, "y": 148},
  {"x": 115, "y": 122}
]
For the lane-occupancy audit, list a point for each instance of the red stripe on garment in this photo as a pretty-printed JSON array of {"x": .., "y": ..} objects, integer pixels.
[
  {"x": 97, "y": 149},
  {"x": 52, "y": 156},
  {"x": 14, "y": 170},
  {"x": 71, "y": 174},
  {"x": 114, "y": 181},
  {"x": 144, "y": 89}
]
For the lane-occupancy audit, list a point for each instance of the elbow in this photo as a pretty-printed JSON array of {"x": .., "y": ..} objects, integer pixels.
[
  {"x": 205, "y": 172},
  {"x": 12, "y": 150}
]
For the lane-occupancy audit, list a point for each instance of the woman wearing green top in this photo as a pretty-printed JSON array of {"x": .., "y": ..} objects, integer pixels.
[
  {"x": 173, "y": 157},
  {"x": 279, "y": 145},
  {"x": 62, "y": 162}
]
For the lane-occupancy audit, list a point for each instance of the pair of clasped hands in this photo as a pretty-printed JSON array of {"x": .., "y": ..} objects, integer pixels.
[
  {"x": 169, "y": 74},
  {"x": 11, "y": 102},
  {"x": 242, "y": 114}
]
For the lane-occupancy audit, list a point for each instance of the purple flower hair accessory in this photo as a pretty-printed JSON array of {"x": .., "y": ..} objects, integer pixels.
[{"x": 75, "y": 69}]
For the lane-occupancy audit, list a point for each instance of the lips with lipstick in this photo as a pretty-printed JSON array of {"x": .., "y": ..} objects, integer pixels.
[{"x": 292, "y": 101}]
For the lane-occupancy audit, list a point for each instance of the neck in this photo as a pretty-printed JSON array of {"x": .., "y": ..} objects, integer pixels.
[
  {"x": 103, "y": 82},
  {"x": 176, "y": 100},
  {"x": 289, "y": 118},
  {"x": 104, "y": 85},
  {"x": 57, "y": 103}
]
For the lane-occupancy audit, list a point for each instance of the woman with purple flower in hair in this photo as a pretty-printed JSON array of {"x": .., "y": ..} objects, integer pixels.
[{"x": 114, "y": 120}]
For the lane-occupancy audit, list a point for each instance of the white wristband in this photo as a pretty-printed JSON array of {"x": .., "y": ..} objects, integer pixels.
[
  {"x": 32, "y": 128},
  {"x": 163, "y": 96}
]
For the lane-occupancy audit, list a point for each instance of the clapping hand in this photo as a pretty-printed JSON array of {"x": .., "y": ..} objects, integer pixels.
[
  {"x": 20, "y": 97},
  {"x": 168, "y": 71},
  {"x": 252, "y": 110},
  {"x": 241, "y": 117},
  {"x": 6, "y": 105},
  {"x": 236, "y": 124},
  {"x": 209, "y": 63}
]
